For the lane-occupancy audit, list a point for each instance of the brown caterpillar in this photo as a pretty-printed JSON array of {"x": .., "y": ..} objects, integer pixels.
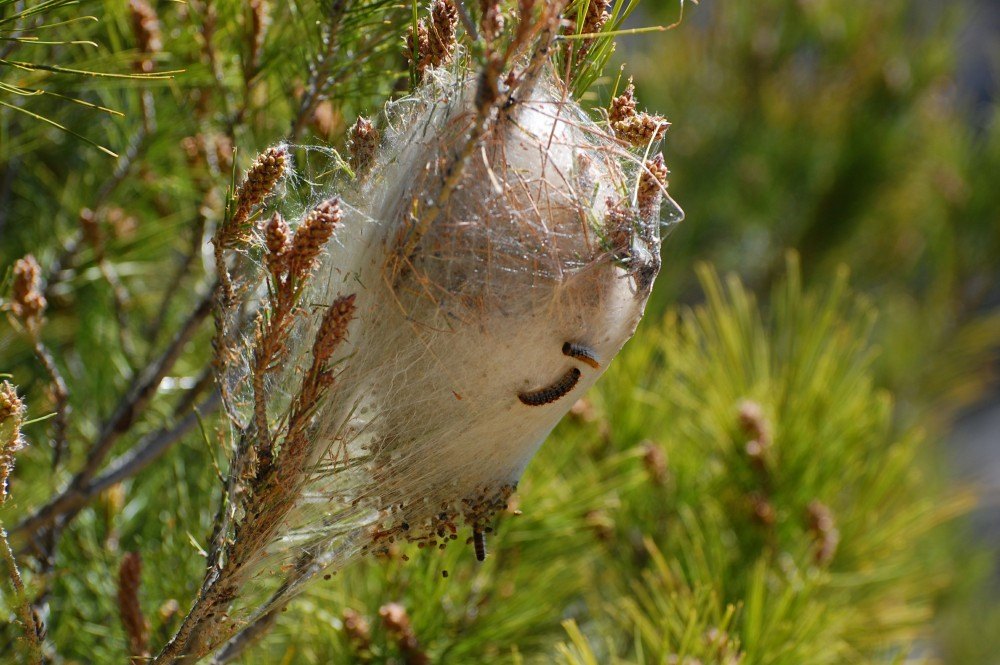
[
  {"x": 551, "y": 393},
  {"x": 581, "y": 353},
  {"x": 479, "y": 543}
]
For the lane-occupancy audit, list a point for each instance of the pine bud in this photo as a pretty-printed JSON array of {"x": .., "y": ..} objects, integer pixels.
[
  {"x": 259, "y": 21},
  {"x": 333, "y": 328},
  {"x": 358, "y": 632},
  {"x": 278, "y": 238},
  {"x": 623, "y": 106},
  {"x": 11, "y": 418},
  {"x": 641, "y": 129},
  {"x": 28, "y": 303},
  {"x": 593, "y": 22},
  {"x": 636, "y": 129},
  {"x": 491, "y": 19},
  {"x": 257, "y": 185},
  {"x": 433, "y": 45},
  {"x": 312, "y": 235},
  {"x": 146, "y": 29},
  {"x": 441, "y": 35},
  {"x": 135, "y": 625},
  {"x": 652, "y": 183},
  {"x": 824, "y": 531},
  {"x": 363, "y": 146}
]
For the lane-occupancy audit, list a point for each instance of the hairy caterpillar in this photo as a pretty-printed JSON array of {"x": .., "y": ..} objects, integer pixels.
[
  {"x": 479, "y": 542},
  {"x": 551, "y": 393},
  {"x": 581, "y": 353}
]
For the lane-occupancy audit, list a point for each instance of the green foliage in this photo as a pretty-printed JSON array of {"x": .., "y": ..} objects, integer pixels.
[
  {"x": 646, "y": 565},
  {"x": 838, "y": 131}
]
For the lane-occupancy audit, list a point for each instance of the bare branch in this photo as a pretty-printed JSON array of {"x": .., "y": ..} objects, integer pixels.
[{"x": 129, "y": 408}]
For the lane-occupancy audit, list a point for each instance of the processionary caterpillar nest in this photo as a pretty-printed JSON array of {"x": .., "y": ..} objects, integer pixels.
[{"x": 486, "y": 275}]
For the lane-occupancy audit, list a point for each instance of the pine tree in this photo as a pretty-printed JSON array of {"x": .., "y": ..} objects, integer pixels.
[{"x": 741, "y": 487}]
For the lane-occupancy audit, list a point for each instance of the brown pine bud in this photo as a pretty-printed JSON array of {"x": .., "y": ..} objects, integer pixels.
[
  {"x": 825, "y": 533},
  {"x": 146, "y": 30},
  {"x": 223, "y": 152},
  {"x": 11, "y": 418},
  {"x": 597, "y": 16},
  {"x": 417, "y": 47},
  {"x": 397, "y": 622},
  {"x": 257, "y": 185},
  {"x": 135, "y": 625},
  {"x": 754, "y": 423},
  {"x": 325, "y": 119},
  {"x": 27, "y": 301},
  {"x": 312, "y": 235},
  {"x": 490, "y": 20},
  {"x": 192, "y": 146},
  {"x": 637, "y": 129},
  {"x": 358, "y": 632},
  {"x": 259, "y": 21},
  {"x": 394, "y": 618},
  {"x": 655, "y": 460},
  {"x": 168, "y": 611},
  {"x": 333, "y": 328},
  {"x": 652, "y": 182},
  {"x": 441, "y": 32},
  {"x": 757, "y": 428},
  {"x": 363, "y": 146},
  {"x": 593, "y": 22},
  {"x": 434, "y": 43},
  {"x": 11, "y": 405},
  {"x": 641, "y": 129},
  {"x": 120, "y": 224},
  {"x": 601, "y": 523},
  {"x": 623, "y": 106},
  {"x": 278, "y": 238},
  {"x": 619, "y": 224},
  {"x": 91, "y": 230}
]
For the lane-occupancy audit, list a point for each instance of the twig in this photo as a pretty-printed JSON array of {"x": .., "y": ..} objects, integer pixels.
[
  {"x": 269, "y": 494},
  {"x": 319, "y": 72},
  {"x": 547, "y": 29},
  {"x": 21, "y": 605},
  {"x": 235, "y": 647},
  {"x": 120, "y": 297},
  {"x": 60, "y": 393},
  {"x": 13, "y": 42},
  {"x": 173, "y": 285},
  {"x": 11, "y": 418},
  {"x": 72, "y": 248},
  {"x": 143, "y": 389},
  {"x": 6, "y": 182},
  {"x": 487, "y": 101},
  {"x": 151, "y": 447},
  {"x": 129, "y": 408}
]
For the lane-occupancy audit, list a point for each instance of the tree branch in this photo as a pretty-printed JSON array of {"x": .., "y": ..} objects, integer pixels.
[{"x": 129, "y": 408}]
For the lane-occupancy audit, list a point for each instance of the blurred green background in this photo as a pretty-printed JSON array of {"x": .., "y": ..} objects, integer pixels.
[{"x": 864, "y": 136}]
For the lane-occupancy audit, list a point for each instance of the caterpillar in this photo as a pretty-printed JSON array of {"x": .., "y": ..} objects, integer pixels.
[
  {"x": 551, "y": 393},
  {"x": 581, "y": 353},
  {"x": 479, "y": 543}
]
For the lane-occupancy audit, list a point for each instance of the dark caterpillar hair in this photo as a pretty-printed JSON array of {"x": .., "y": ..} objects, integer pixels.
[
  {"x": 581, "y": 353},
  {"x": 551, "y": 393}
]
